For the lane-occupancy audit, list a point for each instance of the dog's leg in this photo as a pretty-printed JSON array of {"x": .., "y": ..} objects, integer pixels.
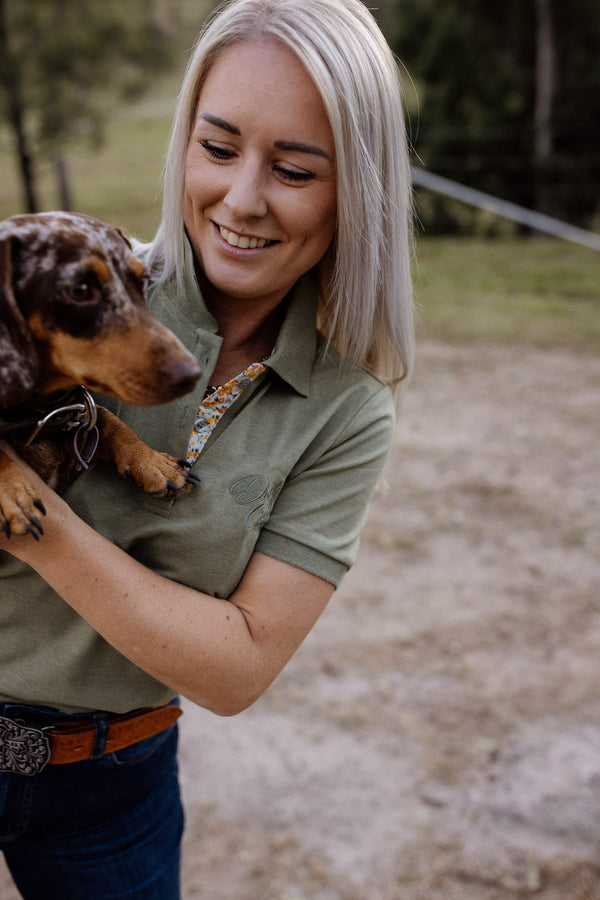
[
  {"x": 155, "y": 472},
  {"x": 20, "y": 508}
]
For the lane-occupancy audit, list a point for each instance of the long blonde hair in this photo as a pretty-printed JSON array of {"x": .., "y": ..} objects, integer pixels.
[{"x": 366, "y": 298}]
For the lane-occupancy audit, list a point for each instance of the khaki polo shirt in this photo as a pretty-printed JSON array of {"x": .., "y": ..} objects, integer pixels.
[{"x": 288, "y": 471}]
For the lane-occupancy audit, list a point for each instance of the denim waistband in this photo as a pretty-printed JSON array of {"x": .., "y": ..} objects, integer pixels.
[{"x": 44, "y": 716}]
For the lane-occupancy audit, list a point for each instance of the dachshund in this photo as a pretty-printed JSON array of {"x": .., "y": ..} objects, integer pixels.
[{"x": 73, "y": 314}]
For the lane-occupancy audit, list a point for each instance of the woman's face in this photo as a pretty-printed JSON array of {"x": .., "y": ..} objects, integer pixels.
[{"x": 260, "y": 179}]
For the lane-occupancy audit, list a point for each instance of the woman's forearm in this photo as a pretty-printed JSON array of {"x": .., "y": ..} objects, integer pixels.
[
  {"x": 176, "y": 634},
  {"x": 221, "y": 654}
]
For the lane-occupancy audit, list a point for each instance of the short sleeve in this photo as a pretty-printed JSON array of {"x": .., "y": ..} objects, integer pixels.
[{"x": 317, "y": 519}]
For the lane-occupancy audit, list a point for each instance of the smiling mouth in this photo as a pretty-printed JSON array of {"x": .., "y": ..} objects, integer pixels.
[{"x": 242, "y": 240}]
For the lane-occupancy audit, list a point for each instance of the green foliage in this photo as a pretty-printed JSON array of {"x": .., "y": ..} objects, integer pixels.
[
  {"x": 474, "y": 64},
  {"x": 65, "y": 66}
]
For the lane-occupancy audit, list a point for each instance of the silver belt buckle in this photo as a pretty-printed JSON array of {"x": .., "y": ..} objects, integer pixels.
[{"x": 23, "y": 750}]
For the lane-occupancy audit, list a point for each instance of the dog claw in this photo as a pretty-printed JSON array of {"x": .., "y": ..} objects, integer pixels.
[
  {"x": 190, "y": 477},
  {"x": 24, "y": 521}
]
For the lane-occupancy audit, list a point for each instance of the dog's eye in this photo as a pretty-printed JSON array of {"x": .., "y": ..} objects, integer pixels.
[{"x": 80, "y": 290}]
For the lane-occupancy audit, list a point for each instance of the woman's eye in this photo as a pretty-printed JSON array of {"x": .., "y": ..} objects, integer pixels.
[
  {"x": 293, "y": 175},
  {"x": 216, "y": 152},
  {"x": 224, "y": 154}
]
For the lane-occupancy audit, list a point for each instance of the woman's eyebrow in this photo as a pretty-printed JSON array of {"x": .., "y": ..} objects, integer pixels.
[
  {"x": 302, "y": 148},
  {"x": 220, "y": 123},
  {"x": 298, "y": 146}
]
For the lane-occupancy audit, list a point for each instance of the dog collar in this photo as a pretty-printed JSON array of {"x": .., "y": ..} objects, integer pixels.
[{"x": 74, "y": 411}]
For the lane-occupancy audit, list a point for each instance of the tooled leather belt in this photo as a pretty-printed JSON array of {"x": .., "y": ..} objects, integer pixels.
[{"x": 26, "y": 750}]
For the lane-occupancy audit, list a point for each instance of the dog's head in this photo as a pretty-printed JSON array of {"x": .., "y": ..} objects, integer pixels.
[{"x": 73, "y": 311}]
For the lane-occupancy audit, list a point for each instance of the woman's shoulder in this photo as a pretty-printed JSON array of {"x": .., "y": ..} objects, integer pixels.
[
  {"x": 347, "y": 399},
  {"x": 335, "y": 373}
]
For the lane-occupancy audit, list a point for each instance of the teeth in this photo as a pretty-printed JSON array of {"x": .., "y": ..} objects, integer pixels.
[{"x": 241, "y": 240}]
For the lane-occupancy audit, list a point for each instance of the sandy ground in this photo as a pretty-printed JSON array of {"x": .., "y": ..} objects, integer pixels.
[{"x": 437, "y": 737}]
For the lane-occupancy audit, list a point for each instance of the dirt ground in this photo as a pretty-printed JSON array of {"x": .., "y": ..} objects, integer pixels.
[{"x": 437, "y": 737}]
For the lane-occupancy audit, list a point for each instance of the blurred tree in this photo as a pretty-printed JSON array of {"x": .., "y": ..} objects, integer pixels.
[
  {"x": 63, "y": 68},
  {"x": 509, "y": 97}
]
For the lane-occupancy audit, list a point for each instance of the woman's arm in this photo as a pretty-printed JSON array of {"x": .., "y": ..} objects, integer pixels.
[{"x": 221, "y": 654}]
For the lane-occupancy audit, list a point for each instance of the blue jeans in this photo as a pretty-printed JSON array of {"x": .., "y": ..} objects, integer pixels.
[{"x": 95, "y": 830}]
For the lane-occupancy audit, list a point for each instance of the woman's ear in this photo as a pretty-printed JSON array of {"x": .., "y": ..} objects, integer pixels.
[{"x": 18, "y": 356}]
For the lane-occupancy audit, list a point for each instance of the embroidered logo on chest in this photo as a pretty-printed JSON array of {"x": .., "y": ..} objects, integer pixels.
[{"x": 250, "y": 492}]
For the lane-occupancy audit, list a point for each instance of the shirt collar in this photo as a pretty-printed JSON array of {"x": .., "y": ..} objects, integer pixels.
[{"x": 296, "y": 346}]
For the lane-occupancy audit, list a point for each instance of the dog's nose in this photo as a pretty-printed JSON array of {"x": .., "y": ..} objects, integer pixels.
[{"x": 182, "y": 376}]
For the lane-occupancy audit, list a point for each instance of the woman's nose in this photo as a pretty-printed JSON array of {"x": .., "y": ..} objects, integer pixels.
[{"x": 246, "y": 194}]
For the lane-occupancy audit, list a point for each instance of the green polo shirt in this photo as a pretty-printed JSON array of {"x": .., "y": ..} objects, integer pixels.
[{"x": 288, "y": 471}]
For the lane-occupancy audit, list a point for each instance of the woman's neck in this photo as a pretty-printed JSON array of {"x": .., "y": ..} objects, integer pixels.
[{"x": 249, "y": 331}]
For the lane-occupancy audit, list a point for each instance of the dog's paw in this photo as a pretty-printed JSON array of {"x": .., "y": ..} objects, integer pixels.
[
  {"x": 20, "y": 509},
  {"x": 161, "y": 475}
]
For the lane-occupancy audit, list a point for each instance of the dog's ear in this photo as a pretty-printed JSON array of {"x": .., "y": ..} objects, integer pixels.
[
  {"x": 18, "y": 356},
  {"x": 124, "y": 236}
]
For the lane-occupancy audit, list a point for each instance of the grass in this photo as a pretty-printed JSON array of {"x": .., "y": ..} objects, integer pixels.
[
  {"x": 119, "y": 181},
  {"x": 503, "y": 289},
  {"x": 518, "y": 290}
]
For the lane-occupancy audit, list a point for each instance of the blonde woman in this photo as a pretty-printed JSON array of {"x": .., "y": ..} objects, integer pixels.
[{"x": 282, "y": 262}]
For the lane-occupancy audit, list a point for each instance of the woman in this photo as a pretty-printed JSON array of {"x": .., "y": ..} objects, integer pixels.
[{"x": 282, "y": 263}]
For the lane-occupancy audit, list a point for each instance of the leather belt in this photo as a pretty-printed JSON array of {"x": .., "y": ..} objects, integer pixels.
[{"x": 28, "y": 750}]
